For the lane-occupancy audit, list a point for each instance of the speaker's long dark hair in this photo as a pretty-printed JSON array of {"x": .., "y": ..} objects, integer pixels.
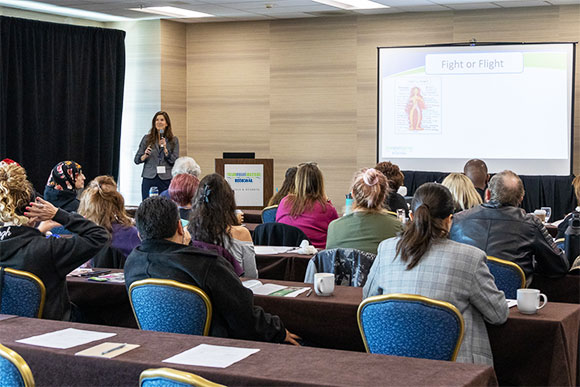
[{"x": 431, "y": 204}]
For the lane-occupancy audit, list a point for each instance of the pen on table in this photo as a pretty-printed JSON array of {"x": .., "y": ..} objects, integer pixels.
[
  {"x": 113, "y": 349},
  {"x": 309, "y": 293}
]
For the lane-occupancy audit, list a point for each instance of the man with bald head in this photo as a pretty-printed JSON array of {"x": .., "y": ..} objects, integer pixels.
[
  {"x": 503, "y": 230},
  {"x": 476, "y": 170}
]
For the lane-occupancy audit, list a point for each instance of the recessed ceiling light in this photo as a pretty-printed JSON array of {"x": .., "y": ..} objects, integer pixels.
[
  {"x": 172, "y": 12},
  {"x": 352, "y": 4},
  {"x": 64, "y": 11}
]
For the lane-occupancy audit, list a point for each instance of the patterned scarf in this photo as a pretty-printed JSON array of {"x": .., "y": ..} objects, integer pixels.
[{"x": 63, "y": 176}]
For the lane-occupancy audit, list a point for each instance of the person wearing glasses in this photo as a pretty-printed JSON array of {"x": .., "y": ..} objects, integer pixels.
[{"x": 308, "y": 207}]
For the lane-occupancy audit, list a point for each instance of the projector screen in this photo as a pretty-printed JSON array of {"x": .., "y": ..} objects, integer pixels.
[{"x": 509, "y": 105}]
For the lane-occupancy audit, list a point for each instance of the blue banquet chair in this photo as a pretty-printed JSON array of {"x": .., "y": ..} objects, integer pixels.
[
  {"x": 410, "y": 325},
  {"x": 169, "y": 306},
  {"x": 23, "y": 293},
  {"x": 168, "y": 377},
  {"x": 14, "y": 371},
  {"x": 509, "y": 277},
  {"x": 269, "y": 214}
]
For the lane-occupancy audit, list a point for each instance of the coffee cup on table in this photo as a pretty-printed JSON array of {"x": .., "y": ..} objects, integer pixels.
[
  {"x": 541, "y": 214},
  {"x": 529, "y": 300},
  {"x": 324, "y": 284}
]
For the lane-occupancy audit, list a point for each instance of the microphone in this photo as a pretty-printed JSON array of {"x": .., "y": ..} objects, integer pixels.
[{"x": 161, "y": 132}]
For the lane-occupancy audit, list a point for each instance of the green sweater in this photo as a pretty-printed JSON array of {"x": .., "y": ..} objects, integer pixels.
[{"x": 362, "y": 231}]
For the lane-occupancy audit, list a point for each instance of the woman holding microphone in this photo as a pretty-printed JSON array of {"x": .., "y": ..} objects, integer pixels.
[{"x": 158, "y": 150}]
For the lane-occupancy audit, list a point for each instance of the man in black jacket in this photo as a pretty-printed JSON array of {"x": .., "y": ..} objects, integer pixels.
[
  {"x": 165, "y": 253},
  {"x": 503, "y": 230}
]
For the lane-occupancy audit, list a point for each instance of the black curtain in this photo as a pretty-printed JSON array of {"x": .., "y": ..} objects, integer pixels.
[
  {"x": 551, "y": 191},
  {"x": 61, "y": 96}
]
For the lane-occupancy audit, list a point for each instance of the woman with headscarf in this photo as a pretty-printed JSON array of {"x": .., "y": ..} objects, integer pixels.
[{"x": 65, "y": 179}]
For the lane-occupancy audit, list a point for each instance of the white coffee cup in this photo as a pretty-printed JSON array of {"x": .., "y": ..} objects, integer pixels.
[
  {"x": 324, "y": 284},
  {"x": 529, "y": 300},
  {"x": 541, "y": 214}
]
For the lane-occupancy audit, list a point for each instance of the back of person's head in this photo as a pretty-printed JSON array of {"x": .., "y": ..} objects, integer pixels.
[
  {"x": 63, "y": 175},
  {"x": 431, "y": 205},
  {"x": 157, "y": 218},
  {"x": 186, "y": 164},
  {"x": 182, "y": 189},
  {"x": 369, "y": 189},
  {"x": 392, "y": 173},
  {"x": 287, "y": 186},
  {"x": 16, "y": 193},
  {"x": 476, "y": 171},
  {"x": 309, "y": 189},
  {"x": 576, "y": 185},
  {"x": 103, "y": 204},
  {"x": 213, "y": 211},
  {"x": 463, "y": 190},
  {"x": 506, "y": 188}
]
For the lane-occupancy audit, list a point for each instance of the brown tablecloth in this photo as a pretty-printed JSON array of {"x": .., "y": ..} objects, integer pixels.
[
  {"x": 283, "y": 267},
  {"x": 274, "y": 364}
]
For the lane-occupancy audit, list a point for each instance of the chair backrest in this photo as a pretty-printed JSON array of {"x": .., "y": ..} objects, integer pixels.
[
  {"x": 350, "y": 266},
  {"x": 168, "y": 377},
  {"x": 278, "y": 234},
  {"x": 23, "y": 293},
  {"x": 169, "y": 306},
  {"x": 509, "y": 277},
  {"x": 410, "y": 325},
  {"x": 13, "y": 369},
  {"x": 269, "y": 214}
]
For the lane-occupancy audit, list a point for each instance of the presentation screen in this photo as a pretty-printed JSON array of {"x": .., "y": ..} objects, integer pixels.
[{"x": 509, "y": 105}]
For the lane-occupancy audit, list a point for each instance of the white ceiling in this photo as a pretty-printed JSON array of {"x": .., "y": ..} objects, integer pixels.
[{"x": 237, "y": 10}]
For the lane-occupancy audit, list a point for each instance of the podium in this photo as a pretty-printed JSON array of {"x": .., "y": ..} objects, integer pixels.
[{"x": 251, "y": 179}]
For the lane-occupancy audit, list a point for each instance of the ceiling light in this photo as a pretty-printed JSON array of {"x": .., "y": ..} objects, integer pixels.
[
  {"x": 64, "y": 11},
  {"x": 352, "y": 4},
  {"x": 172, "y": 12}
]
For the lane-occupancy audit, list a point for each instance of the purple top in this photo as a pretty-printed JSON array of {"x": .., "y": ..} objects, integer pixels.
[
  {"x": 222, "y": 252},
  {"x": 125, "y": 238},
  {"x": 314, "y": 222}
]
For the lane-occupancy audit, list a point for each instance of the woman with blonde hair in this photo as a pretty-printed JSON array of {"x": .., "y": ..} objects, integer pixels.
[
  {"x": 308, "y": 207},
  {"x": 463, "y": 191},
  {"x": 369, "y": 223}
]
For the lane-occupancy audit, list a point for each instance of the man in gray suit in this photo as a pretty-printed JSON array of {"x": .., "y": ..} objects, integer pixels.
[{"x": 503, "y": 230}]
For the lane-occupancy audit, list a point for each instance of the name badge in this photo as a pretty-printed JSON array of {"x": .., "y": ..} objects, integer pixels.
[{"x": 160, "y": 169}]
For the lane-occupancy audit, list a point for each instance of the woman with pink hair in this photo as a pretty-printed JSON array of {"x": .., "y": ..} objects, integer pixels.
[{"x": 369, "y": 224}]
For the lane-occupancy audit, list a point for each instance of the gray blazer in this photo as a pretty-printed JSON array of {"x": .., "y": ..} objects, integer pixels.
[
  {"x": 452, "y": 272},
  {"x": 151, "y": 163}
]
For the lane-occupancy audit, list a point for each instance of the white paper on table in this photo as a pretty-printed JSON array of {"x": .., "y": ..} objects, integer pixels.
[
  {"x": 511, "y": 303},
  {"x": 65, "y": 338},
  {"x": 206, "y": 355},
  {"x": 272, "y": 250},
  {"x": 266, "y": 289}
]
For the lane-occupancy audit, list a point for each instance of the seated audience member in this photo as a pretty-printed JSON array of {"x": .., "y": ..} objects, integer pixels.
[
  {"x": 462, "y": 190},
  {"x": 563, "y": 225},
  {"x": 181, "y": 190},
  {"x": 503, "y": 230},
  {"x": 65, "y": 179},
  {"x": 423, "y": 261},
  {"x": 24, "y": 247},
  {"x": 369, "y": 223},
  {"x": 287, "y": 187},
  {"x": 476, "y": 171},
  {"x": 307, "y": 207},
  {"x": 394, "y": 200},
  {"x": 165, "y": 253},
  {"x": 213, "y": 221},
  {"x": 104, "y": 205},
  {"x": 184, "y": 164}
]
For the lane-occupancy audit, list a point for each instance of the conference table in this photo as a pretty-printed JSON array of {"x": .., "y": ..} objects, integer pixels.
[
  {"x": 272, "y": 365},
  {"x": 540, "y": 349}
]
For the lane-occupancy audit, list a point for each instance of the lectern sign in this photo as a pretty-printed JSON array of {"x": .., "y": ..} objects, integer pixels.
[{"x": 247, "y": 181}]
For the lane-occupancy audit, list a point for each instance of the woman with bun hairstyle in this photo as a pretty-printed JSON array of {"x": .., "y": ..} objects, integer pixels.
[
  {"x": 369, "y": 223},
  {"x": 425, "y": 262},
  {"x": 158, "y": 151},
  {"x": 308, "y": 207}
]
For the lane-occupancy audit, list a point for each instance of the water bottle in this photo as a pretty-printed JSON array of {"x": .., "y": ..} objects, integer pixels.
[
  {"x": 573, "y": 237},
  {"x": 348, "y": 204},
  {"x": 153, "y": 191}
]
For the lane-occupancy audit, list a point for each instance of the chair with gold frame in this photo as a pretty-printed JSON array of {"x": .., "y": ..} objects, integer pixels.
[
  {"x": 168, "y": 377},
  {"x": 23, "y": 293},
  {"x": 169, "y": 306},
  {"x": 13, "y": 369},
  {"x": 269, "y": 214},
  {"x": 410, "y": 325},
  {"x": 509, "y": 277}
]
